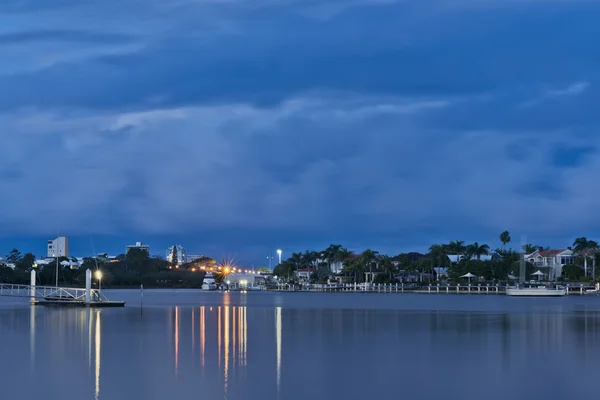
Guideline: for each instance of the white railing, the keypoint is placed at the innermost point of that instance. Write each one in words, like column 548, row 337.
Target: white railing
column 49, row 292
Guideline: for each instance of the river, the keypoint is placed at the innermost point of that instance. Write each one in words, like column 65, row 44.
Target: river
column 188, row 344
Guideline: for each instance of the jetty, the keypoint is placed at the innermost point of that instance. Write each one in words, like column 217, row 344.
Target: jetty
column 59, row 296
column 483, row 289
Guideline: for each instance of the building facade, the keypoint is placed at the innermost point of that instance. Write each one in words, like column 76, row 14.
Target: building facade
column 138, row 245
column 552, row 260
column 58, row 247
column 178, row 251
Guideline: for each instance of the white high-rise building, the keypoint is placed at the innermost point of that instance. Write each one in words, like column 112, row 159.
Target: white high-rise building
column 181, row 258
column 58, row 247
column 138, row 245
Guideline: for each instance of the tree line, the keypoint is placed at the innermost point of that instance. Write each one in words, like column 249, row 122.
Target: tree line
column 130, row 270
column 381, row 268
column 137, row 267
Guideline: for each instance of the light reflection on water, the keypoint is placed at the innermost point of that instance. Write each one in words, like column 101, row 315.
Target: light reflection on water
column 237, row 352
column 97, row 354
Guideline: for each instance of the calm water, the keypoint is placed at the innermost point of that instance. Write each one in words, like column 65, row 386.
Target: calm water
column 195, row 345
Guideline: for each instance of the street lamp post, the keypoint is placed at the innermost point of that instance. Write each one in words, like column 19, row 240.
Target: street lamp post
column 279, row 254
column 99, row 277
column 270, row 258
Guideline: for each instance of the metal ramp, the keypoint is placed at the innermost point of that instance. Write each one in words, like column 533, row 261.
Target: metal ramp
column 60, row 296
column 50, row 293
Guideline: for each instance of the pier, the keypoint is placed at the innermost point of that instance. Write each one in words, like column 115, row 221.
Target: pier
column 483, row 289
column 59, row 296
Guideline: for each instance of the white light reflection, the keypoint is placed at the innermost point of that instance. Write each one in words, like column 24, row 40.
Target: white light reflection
column 97, row 340
column 245, row 336
column 278, row 340
column 88, row 317
column 202, row 334
column 219, row 333
column 193, row 328
column 176, row 340
column 233, row 332
column 32, row 336
column 226, row 347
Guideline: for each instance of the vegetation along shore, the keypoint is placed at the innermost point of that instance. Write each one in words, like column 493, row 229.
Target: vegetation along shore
column 443, row 262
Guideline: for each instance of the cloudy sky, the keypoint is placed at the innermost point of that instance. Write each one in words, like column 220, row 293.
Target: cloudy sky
column 236, row 127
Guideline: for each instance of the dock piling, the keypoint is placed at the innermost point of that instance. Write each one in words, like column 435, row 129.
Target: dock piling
column 32, row 288
column 88, row 286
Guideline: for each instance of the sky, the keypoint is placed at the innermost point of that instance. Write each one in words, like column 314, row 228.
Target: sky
column 236, row 127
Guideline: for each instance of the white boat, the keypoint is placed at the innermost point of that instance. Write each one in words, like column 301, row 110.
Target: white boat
column 595, row 291
column 209, row 283
column 536, row 291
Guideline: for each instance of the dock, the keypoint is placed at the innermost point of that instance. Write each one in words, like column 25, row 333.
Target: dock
column 59, row 296
column 481, row 289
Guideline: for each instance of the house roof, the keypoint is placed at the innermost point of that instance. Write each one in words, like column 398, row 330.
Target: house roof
column 547, row 253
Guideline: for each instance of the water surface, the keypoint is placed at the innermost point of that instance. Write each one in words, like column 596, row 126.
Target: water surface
column 187, row 344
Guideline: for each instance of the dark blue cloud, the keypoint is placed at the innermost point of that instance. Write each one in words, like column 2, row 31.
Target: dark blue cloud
column 63, row 35
column 365, row 50
column 570, row 156
column 258, row 125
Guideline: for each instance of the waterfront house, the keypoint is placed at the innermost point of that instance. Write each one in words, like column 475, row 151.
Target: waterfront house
column 412, row 276
column 245, row 280
column 552, row 260
column 492, row 256
column 304, row 273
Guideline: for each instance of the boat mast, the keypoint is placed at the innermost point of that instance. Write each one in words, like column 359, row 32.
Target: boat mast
column 56, row 255
column 522, row 261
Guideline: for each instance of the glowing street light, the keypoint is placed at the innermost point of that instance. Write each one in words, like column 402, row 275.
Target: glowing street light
column 279, row 255
column 98, row 275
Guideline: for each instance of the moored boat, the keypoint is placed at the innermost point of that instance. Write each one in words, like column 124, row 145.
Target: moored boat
column 209, row 282
column 536, row 291
column 595, row 291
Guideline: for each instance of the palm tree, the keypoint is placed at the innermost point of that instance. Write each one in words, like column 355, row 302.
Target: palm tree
column 368, row 257
column 593, row 246
column 331, row 254
column 581, row 246
column 530, row 248
column 354, row 267
column 457, row 247
column 296, row 260
column 387, row 265
column 505, row 238
column 343, row 256
column 309, row 260
column 439, row 253
column 478, row 250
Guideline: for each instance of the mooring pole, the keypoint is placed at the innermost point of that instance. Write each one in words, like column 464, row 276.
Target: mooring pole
column 141, row 298
column 32, row 287
column 88, row 286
